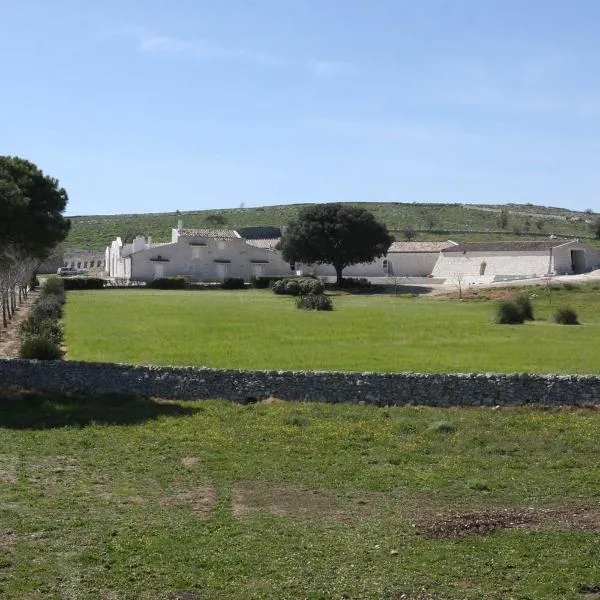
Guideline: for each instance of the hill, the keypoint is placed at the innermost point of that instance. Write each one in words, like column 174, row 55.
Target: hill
column 425, row 221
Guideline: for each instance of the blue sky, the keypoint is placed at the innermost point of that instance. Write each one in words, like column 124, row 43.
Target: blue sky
column 155, row 105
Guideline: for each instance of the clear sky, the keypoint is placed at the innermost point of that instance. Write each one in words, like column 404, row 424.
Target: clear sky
column 156, row 105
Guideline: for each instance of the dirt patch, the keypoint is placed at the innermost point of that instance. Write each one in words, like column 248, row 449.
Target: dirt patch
column 202, row 500
column 7, row 539
column 8, row 469
column 452, row 525
column 189, row 462
column 9, row 338
column 300, row 502
column 456, row 525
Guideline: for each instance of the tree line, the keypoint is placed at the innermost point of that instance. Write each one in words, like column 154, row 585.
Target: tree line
column 31, row 224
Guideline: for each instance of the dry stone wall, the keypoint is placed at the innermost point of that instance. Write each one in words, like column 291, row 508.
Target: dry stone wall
column 370, row 388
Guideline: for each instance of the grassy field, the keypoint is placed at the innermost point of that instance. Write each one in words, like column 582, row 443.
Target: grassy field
column 254, row 329
column 98, row 231
column 140, row 499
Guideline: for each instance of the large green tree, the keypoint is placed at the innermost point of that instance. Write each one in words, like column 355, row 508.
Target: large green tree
column 335, row 234
column 31, row 207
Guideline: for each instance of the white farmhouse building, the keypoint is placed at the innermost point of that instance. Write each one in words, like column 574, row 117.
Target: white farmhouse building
column 199, row 255
column 497, row 261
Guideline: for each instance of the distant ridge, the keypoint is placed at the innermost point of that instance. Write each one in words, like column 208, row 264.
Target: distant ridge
column 464, row 222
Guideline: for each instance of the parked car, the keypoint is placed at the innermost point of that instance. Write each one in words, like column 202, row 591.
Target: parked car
column 67, row 272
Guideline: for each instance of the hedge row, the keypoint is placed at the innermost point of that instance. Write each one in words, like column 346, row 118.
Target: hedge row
column 41, row 332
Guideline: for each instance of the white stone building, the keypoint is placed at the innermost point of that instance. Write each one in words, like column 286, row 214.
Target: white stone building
column 481, row 262
column 413, row 259
column 199, row 255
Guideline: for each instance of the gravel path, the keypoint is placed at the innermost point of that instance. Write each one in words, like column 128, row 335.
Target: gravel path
column 9, row 338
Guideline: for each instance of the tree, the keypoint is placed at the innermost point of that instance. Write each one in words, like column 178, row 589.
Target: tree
column 334, row 234
column 31, row 207
column 31, row 224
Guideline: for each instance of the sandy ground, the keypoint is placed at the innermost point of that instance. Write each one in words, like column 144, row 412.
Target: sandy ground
column 9, row 338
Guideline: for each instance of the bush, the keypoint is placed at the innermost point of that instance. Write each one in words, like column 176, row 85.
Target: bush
column 53, row 286
column 291, row 287
column 84, row 283
column 297, row 286
column 233, row 283
column 47, row 328
column 48, row 307
column 168, row 283
column 262, row 283
column 523, row 303
column 508, row 313
column 34, row 282
column 314, row 302
column 566, row 316
column 39, row 347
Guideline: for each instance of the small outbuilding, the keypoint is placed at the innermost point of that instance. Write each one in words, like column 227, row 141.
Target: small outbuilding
column 503, row 261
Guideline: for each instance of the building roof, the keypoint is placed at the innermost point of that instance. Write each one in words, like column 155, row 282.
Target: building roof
column 268, row 243
column 211, row 233
column 419, row 246
column 259, row 233
column 512, row 246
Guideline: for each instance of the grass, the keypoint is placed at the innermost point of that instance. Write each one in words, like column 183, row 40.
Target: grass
column 98, row 231
column 134, row 498
column 258, row 330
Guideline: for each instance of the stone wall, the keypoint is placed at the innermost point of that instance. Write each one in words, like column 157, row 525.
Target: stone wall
column 371, row 388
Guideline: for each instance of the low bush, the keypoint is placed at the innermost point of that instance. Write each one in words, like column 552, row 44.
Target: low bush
column 508, row 313
column 40, row 348
column 566, row 316
column 53, row 286
column 47, row 307
column 298, row 286
column 262, row 283
column 314, row 302
column 168, row 283
column 233, row 283
column 47, row 328
column 84, row 283
column 523, row 303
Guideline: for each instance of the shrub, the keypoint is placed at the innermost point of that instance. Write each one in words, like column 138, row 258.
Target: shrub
column 508, row 313
column 168, row 283
column 297, row 286
column 291, row 287
column 84, row 283
column 39, row 347
column 48, row 307
column 314, row 302
column 523, row 303
column 263, row 282
column 34, row 282
column 278, row 286
column 233, row 283
column 53, row 286
column 566, row 316
column 47, row 328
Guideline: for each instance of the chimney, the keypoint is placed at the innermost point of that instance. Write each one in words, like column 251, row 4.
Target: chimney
column 179, row 225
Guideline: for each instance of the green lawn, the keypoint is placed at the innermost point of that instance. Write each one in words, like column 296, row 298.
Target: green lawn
column 135, row 499
column 254, row 329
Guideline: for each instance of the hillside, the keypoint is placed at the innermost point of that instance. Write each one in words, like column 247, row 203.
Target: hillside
column 430, row 221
